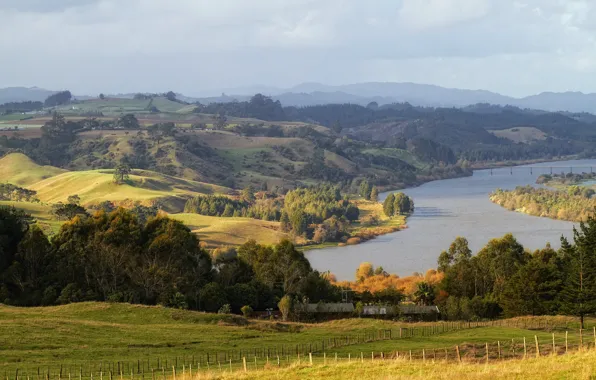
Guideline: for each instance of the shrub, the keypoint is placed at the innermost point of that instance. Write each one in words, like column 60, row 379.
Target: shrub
column 246, row 311
column 225, row 309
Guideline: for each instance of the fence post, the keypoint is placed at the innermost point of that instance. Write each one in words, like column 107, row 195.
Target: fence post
column 525, row 349
column 486, row 345
column 537, row 346
column 499, row 349
column 174, row 372
column 410, row 355
column 595, row 337
column 324, row 358
column 554, row 346
column 244, row 363
column 566, row 345
column 458, row 355
column 336, row 357
column 513, row 347
column 423, row 355
column 362, row 357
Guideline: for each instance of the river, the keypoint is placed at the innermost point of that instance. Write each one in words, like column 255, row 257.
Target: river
column 444, row 210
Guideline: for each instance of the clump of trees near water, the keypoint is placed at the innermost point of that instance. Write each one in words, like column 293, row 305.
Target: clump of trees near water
column 398, row 204
column 118, row 257
column 320, row 213
column 504, row 279
column 575, row 204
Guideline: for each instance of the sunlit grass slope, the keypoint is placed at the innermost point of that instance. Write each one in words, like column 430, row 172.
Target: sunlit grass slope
column 18, row 169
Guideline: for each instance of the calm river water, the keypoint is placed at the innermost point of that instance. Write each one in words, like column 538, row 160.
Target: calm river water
column 449, row 208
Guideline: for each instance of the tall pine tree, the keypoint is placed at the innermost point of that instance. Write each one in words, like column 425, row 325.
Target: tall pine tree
column 579, row 290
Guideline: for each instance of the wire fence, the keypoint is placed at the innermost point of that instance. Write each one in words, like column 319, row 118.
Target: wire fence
column 346, row 348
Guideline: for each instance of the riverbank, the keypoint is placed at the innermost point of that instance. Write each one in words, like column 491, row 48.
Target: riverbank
column 444, row 210
column 506, row 164
column 372, row 223
column 546, row 203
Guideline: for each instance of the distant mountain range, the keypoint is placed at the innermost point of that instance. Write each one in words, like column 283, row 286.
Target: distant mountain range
column 308, row 94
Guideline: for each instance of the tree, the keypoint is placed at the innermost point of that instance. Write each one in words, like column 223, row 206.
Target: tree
column 128, row 121
column 171, row 96
column 248, row 194
column 74, row 200
column 403, row 204
column 220, row 122
column 534, row 288
column 389, row 205
column 299, row 222
column 102, row 96
column 425, row 294
column 285, row 225
column 359, row 309
column 578, row 296
column 58, row 99
column 121, row 173
column 374, row 194
column 285, row 307
column 246, row 311
column 365, row 189
column 364, row 271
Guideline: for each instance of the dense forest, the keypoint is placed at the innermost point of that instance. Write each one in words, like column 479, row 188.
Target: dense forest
column 575, row 203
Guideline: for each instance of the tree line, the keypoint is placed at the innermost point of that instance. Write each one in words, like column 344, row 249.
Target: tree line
column 576, row 203
column 119, row 257
column 504, row 279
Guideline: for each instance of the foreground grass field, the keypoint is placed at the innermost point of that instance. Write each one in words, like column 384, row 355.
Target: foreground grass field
column 580, row 365
column 85, row 335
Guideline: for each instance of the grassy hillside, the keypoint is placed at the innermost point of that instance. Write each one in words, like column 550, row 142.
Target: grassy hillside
column 96, row 186
column 87, row 334
column 18, row 169
column 217, row 231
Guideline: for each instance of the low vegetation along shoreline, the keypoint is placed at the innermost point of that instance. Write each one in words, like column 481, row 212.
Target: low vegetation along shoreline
column 567, row 197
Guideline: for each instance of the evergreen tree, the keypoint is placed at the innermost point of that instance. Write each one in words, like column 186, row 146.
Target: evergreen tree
column 365, row 189
column 578, row 296
column 374, row 194
column 388, row 205
column 285, row 222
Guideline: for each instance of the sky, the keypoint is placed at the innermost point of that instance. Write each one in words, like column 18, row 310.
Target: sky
column 204, row 47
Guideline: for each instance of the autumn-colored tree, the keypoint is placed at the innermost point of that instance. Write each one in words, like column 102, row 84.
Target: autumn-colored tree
column 364, row 271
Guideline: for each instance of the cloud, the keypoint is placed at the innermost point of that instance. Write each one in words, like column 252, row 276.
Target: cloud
column 432, row 14
column 190, row 45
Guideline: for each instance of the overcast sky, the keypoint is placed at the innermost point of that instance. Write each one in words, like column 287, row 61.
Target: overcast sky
column 199, row 47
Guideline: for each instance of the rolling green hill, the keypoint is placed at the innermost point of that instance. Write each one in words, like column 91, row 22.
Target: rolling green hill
column 18, row 169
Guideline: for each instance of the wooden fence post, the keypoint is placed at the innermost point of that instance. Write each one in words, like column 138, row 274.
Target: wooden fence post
column 487, row 353
column 525, row 348
column 513, row 347
column 423, row 355
column 336, row 357
column 410, row 355
column 554, row 346
column 566, row 345
column 310, row 357
column 499, row 349
column 458, row 355
column 537, row 346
